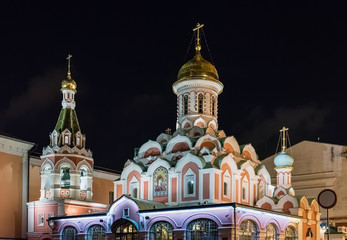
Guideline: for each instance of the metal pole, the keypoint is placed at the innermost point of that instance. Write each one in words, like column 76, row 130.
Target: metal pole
column 328, row 223
column 234, row 221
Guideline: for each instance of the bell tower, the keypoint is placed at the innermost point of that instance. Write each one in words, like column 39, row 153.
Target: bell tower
column 197, row 89
column 67, row 166
column 284, row 163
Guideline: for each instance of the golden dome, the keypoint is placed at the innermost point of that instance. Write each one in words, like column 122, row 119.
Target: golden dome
column 197, row 68
column 68, row 84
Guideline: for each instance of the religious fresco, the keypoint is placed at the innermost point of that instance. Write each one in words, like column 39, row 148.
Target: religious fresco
column 160, row 182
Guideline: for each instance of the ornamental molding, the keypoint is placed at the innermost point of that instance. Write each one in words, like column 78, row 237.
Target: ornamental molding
column 233, row 142
column 47, row 150
column 84, row 163
column 177, row 139
column 46, row 162
column 65, row 160
column 148, row 145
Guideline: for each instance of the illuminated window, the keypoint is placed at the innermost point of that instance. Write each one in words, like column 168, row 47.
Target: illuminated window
column 185, row 104
column 248, row 230
column 213, row 106
column 41, row 219
column 245, row 189
column 226, row 184
column 261, row 191
column 84, row 179
column 200, row 103
column 66, row 139
column 161, row 231
column 46, row 175
column 69, row 233
column 55, row 138
column 78, row 142
column 134, row 186
column 291, row 234
column 124, row 229
column 189, row 183
column 271, row 232
column 65, row 177
column 96, row 232
column 202, row 229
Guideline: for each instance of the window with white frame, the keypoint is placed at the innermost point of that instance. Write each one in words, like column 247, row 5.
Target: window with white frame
column 46, row 175
column 134, row 188
column 84, row 178
column 55, row 138
column 41, row 219
column 66, row 139
column 189, row 183
column 65, row 177
column 261, row 191
column 226, row 184
column 200, row 103
column 245, row 189
column 185, row 104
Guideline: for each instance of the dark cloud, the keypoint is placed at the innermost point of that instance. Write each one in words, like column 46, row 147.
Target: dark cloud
column 305, row 121
column 39, row 95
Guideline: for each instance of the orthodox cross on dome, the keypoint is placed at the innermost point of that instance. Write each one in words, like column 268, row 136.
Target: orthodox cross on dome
column 69, row 56
column 283, row 131
column 197, row 29
column 168, row 131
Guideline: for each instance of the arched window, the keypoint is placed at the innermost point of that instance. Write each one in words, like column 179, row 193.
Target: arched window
column 161, row 231
column 200, row 103
column 189, row 183
column 261, row 191
column 271, row 232
column 96, row 232
column 69, row 233
column 248, row 230
column 84, row 179
column 134, row 188
column 291, row 234
column 204, row 229
column 226, row 184
column 66, row 141
column 65, row 177
column 245, row 189
column 47, row 177
column 213, row 106
column 124, row 229
column 185, row 104
column 160, row 182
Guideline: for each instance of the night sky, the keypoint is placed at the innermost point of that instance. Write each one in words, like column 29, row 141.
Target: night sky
column 281, row 62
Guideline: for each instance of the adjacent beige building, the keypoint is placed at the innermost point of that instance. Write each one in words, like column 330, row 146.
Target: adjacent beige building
column 319, row 166
column 21, row 183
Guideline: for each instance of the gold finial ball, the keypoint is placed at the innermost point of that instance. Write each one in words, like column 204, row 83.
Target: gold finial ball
column 68, row 84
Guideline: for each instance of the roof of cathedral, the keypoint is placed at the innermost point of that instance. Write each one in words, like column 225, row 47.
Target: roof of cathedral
column 283, row 160
column 198, row 68
column 68, row 84
column 147, row 204
column 209, row 158
column 67, row 120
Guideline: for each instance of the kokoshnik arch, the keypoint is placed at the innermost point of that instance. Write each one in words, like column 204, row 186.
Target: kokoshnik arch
column 197, row 183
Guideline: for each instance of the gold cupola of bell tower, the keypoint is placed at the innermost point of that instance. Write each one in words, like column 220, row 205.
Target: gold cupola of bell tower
column 197, row 89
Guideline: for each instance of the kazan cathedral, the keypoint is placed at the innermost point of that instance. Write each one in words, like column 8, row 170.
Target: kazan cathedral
column 197, row 183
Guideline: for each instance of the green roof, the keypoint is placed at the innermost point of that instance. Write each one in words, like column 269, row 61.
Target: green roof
column 146, row 204
column 67, row 120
